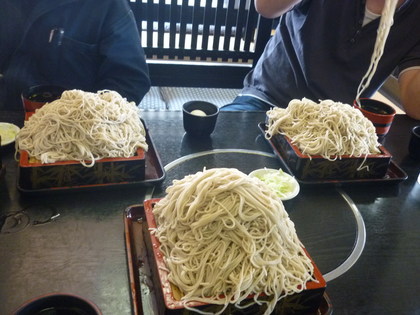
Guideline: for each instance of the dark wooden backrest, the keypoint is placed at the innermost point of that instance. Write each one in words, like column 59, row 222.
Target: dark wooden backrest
column 208, row 43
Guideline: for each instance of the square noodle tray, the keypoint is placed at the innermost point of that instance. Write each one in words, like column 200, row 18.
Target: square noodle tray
column 305, row 167
column 34, row 175
column 37, row 176
column 306, row 302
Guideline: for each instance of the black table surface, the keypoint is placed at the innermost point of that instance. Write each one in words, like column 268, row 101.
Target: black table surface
column 82, row 251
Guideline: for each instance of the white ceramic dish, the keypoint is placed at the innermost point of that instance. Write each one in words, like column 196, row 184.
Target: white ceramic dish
column 8, row 133
column 284, row 185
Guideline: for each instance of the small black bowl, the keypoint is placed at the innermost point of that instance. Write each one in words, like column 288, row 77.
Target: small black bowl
column 200, row 126
column 58, row 304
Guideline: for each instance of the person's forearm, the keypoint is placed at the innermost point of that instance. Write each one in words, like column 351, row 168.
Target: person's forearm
column 273, row 8
column 410, row 93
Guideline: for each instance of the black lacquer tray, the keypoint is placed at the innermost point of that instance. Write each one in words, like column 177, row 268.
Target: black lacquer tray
column 143, row 298
column 394, row 173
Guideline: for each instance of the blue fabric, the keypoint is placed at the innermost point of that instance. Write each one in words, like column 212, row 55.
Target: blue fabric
column 99, row 48
column 320, row 50
column 246, row 103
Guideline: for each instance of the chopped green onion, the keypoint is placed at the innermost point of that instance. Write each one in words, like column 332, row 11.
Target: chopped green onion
column 280, row 182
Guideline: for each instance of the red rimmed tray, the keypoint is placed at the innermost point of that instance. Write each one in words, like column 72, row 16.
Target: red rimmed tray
column 24, row 160
column 154, row 173
column 144, row 298
column 34, row 175
column 394, row 174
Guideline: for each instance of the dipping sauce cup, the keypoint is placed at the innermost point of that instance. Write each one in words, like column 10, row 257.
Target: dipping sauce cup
column 199, row 118
column 379, row 113
column 36, row 96
column 414, row 144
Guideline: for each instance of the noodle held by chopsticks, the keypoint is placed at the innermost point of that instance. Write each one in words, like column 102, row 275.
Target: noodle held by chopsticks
column 385, row 23
column 330, row 129
column 83, row 126
column 225, row 236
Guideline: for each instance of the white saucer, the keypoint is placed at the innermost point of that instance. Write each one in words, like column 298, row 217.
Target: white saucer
column 8, row 133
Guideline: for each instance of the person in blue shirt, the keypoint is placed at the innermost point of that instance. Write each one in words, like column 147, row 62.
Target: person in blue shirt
column 77, row 44
column 321, row 49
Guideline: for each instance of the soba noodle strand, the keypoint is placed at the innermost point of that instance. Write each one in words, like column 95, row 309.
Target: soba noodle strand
column 225, row 236
column 382, row 34
column 83, row 126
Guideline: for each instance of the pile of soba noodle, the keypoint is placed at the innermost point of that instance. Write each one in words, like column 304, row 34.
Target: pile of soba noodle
column 83, row 126
column 330, row 129
column 225, row 236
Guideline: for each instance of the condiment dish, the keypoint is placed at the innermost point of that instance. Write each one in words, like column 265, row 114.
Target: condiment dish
column 8, row 133
column 283, row 184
